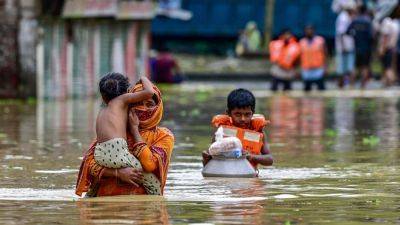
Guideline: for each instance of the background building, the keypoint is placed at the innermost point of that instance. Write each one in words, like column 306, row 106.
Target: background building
column 215, row 25
column 83, row 40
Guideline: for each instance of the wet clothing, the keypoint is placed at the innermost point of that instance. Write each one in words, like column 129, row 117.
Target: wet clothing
column 257, row 125
column 284, row 53
column 276, row 82
column 313, row 60
column 387, row 59
column 391, row 29
column 114, row 153
column 312, row 74
column 344, row 45
column 283, row 74
column 363, row 59
column 343, row 41
column 309, row 83
column 154, row 154
column 258, row 122
column 362, row 32
column 312, row 53
column 283, row 56
column 345, row 62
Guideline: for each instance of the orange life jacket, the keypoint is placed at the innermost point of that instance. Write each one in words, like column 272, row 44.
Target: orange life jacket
column 312, row 54
column 284, row 55
column 252, row 139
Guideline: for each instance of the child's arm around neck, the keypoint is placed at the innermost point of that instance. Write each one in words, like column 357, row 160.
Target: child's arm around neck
column 138, row 96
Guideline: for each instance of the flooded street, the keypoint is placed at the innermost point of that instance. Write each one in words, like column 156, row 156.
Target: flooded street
column 336, row 154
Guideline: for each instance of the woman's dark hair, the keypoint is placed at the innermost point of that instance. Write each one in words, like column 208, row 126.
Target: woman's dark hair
column 241, row 98
column 113, row 85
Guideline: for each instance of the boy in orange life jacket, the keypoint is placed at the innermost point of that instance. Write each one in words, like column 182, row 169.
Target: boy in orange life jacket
column 240, row 115
column 313, row 59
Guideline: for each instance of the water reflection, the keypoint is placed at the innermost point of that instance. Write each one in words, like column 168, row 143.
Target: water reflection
column 294, row 118
column 387, row 126
column 344, row 124
column 322, row 163
column 284, row 117
column 125, row 212
column 241, row 213
column 57, row 121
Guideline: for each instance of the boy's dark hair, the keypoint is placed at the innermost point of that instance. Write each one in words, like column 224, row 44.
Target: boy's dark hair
column 113, row 85
column 241, row 98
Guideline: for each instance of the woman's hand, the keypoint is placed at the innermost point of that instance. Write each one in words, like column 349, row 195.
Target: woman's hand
column 133, row 119
column 130, row 175
column 133, row 125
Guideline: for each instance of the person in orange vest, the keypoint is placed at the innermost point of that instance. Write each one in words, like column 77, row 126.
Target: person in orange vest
column 313, row 59
column 241, row 122
column 284, row 54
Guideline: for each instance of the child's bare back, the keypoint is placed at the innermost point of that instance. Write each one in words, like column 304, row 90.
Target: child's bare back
column 112, row 119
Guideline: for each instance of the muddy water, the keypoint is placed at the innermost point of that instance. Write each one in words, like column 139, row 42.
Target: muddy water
column 336, row 162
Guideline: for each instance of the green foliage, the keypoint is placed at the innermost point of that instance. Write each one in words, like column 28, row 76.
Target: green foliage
column 201, row 96
column 31, row 101
column 330, row 133
column 371, row 140
column 195, row 113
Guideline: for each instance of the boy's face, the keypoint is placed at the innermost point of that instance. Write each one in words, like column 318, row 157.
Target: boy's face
column 241, row 117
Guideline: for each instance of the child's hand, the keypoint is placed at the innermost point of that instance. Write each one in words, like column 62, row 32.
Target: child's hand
column 133, row 119
column 139, row 81
column 206, row 157
column 249, row 157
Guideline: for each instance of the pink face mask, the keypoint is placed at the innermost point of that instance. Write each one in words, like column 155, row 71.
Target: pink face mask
column 144, row 112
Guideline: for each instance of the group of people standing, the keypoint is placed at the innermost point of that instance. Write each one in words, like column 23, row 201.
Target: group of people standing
column 355, row 35
column 286, row 53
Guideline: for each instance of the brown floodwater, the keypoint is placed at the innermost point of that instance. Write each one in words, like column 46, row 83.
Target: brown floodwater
column 336, row 162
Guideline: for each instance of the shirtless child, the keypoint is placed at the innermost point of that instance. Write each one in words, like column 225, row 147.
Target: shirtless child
column 111, row 126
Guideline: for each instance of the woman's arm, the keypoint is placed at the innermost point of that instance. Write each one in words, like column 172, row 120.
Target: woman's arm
column 141, row 151
column 145, row 156
column 128, row 174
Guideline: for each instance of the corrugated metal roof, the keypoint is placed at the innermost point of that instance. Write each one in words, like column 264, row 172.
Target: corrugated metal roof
column 119, row 9
column 136, row 10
